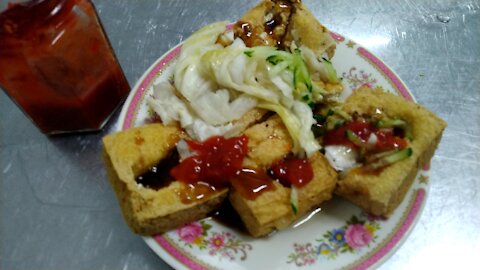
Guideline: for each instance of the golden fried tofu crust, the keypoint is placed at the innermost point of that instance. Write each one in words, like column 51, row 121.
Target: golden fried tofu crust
column 269, row 142
column 306, row 30
column 278, row 23
column 381, row 192
column 268, row 212
column 128, row 154
column 320, row 188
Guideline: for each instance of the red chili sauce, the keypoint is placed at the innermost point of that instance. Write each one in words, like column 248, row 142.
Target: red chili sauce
column 292, row 171
column 251, row 183
column 387, row 139
column 57, row 64
column 217, row 160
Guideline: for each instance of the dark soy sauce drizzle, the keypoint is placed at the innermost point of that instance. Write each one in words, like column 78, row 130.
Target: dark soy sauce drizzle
column 158, row 176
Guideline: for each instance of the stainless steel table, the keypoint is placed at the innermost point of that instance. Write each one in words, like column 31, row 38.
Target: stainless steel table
column 57, row 210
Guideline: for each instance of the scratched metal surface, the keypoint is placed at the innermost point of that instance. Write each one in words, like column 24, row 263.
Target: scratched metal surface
column 57, row 210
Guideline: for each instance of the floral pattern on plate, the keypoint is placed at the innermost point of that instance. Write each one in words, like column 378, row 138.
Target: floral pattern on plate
column 222, row 244
column 358, row 78
column 356, row 234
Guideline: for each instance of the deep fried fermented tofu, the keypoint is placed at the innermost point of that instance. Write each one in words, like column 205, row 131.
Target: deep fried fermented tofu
column 306, row 30
column 321, row 187
column 381, row 192
column 268, row 212
column 128, row 154
column 250, row 118
column 269, row 142
column 279, row 22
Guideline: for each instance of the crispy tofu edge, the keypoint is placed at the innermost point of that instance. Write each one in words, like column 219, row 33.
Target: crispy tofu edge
column 381, row 194
column 142, row 208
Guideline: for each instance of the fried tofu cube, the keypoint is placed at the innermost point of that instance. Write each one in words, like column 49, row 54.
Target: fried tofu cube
column 320, row 188
column 271, row 210
column 127, row 155
column 268, row 212
column 381, row 192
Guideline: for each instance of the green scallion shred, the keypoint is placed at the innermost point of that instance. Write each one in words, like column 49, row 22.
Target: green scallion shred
column 248, row 53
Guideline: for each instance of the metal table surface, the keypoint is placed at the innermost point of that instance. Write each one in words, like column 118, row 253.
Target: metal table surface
column 58, row 211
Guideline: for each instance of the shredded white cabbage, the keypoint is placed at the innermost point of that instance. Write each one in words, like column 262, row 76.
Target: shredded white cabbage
column 168, row 106
column 184, row 150
column 215, row 85
column 202, row 109
column 171, row 108
column 342, row 158
column 324, row 67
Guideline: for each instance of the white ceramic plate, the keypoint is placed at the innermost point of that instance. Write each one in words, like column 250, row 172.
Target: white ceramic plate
column 338, row 236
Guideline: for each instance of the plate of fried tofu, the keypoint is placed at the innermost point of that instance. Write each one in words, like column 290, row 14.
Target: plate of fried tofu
column 271, row 143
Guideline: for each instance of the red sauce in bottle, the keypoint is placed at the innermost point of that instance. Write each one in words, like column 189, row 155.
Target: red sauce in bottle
column 57, row 64
column 386, row 139
column 292, row 171
column 217, row 160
